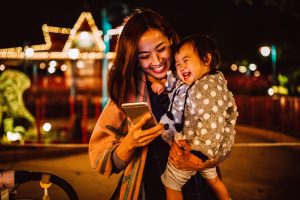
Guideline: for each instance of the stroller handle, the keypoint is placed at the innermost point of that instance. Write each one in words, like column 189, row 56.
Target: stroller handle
column 21, row 177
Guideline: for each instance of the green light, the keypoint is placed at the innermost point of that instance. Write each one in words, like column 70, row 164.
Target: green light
column 105, row 27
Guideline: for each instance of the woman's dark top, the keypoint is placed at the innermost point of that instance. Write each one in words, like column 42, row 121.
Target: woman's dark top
column 195, row 189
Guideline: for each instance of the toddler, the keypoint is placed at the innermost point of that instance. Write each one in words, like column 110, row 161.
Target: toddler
column 202, row 111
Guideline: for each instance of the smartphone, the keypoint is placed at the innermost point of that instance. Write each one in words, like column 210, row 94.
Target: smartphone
column 136, row 110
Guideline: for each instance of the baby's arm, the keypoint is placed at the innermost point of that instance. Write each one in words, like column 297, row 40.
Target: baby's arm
column 165, row 84
column 157, row 87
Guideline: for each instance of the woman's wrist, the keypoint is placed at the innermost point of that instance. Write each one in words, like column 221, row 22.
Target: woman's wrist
column 118, row 162
column 124, row 151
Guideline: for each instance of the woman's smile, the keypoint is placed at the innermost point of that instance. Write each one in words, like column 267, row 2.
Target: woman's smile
column 162, row 67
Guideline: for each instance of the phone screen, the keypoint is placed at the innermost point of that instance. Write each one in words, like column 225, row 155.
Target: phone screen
column 135, row 112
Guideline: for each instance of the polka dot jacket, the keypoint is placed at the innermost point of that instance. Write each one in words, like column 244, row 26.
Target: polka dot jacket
column 210, row 113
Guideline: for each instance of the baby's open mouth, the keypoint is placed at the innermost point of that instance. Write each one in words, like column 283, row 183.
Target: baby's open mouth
column 186, row 75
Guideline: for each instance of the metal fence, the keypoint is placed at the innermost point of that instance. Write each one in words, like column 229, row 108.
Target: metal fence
column 278, row 113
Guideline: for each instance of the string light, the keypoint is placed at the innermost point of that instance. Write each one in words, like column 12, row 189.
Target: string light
column 42, row 51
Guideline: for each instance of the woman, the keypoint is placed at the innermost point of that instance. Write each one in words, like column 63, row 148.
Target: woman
column 143, row 54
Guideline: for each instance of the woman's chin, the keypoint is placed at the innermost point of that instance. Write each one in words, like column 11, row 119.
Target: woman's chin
column 159, row 73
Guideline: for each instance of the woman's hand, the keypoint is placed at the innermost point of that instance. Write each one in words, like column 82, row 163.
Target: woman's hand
column 181, row 157
column 136, row 137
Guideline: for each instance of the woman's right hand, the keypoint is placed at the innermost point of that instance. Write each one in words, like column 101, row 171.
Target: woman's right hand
column 136, row 137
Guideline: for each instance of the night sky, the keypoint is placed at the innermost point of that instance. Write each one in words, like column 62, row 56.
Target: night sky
column 239, row 27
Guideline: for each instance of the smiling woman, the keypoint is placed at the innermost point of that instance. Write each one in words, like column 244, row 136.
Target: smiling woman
column 144, row 53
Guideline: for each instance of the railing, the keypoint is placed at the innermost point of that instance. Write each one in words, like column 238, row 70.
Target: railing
column 278, row 113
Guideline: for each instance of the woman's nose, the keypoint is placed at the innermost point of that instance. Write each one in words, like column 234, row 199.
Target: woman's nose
column 156, row 59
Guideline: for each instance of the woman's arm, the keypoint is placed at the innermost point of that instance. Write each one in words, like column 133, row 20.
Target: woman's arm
column 110, row 136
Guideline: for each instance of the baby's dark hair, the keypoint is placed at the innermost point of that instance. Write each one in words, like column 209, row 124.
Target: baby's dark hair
column 203, row 45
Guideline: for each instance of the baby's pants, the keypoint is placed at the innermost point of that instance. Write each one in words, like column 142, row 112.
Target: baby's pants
column 174, row 178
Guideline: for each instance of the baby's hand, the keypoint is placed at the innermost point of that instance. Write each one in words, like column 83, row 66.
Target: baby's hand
column 157, row 87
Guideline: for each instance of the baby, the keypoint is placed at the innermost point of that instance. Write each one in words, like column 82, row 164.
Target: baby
column 202, row 111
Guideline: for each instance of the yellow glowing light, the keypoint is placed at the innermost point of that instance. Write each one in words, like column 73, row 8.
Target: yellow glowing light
column 116, row 31
column 29, row 52
column 42, row 65
column 252, row 67
column 85, row 39
column 257, row 73
column 80, row 64
column 283, row 90
column 110, row 55
column 51, row 70
column 84, row 35
column 73, row 53
column 13, row 49
column 11, row 136
column 95, row 31
column 275, row 89
column 42, row 51
column 52, row 63
column 2, row 67
column 265, row 51
column 242, row 69
column 271, row 91
column 47, row 127
column 234, row 67
column 63, row 67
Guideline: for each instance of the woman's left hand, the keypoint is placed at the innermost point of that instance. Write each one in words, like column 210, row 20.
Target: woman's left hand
column 181, row 157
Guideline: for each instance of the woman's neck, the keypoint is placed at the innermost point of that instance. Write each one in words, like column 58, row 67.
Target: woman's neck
column 155, row 80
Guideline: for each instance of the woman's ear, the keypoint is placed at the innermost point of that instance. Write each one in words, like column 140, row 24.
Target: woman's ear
column 207, row 59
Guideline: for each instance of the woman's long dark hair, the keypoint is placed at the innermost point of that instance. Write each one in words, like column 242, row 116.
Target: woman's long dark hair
column 124, row 76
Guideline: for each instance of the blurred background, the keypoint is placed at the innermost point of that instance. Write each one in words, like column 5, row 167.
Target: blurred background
column 54, row 56
column 66, row 47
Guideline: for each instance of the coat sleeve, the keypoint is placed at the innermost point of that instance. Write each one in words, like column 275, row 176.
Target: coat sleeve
column 106, row 136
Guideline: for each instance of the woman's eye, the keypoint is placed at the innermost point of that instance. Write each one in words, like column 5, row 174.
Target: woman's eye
column 143, row 57
column 161, row 49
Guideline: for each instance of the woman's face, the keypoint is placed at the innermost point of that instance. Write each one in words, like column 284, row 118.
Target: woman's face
column 154, row 53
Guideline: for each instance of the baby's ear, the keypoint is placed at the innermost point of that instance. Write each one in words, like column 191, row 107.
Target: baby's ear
column 207, row 59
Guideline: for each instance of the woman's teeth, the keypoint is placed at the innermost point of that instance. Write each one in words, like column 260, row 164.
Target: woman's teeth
column 159, row 69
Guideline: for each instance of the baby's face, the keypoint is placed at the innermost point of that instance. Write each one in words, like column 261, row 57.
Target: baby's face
column 188, row 64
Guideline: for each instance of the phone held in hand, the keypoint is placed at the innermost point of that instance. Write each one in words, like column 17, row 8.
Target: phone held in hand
column 135, row 112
